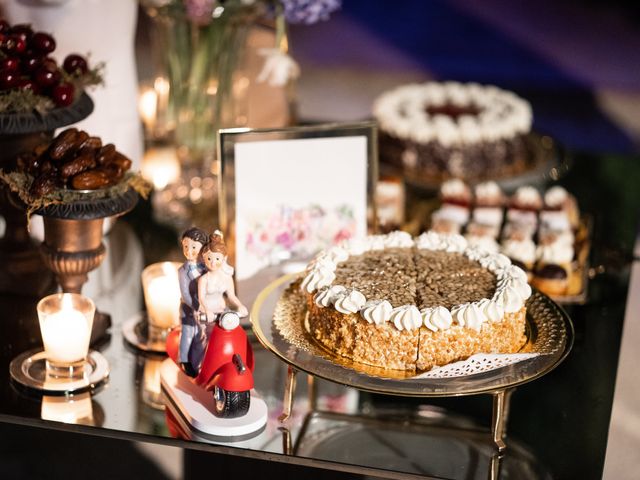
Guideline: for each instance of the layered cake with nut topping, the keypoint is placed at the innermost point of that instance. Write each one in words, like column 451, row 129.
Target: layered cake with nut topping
column 396, row 302
column 465, row 130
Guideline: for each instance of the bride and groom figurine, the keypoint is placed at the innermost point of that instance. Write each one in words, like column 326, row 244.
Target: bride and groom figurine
column 210, row 361
column 207, row 290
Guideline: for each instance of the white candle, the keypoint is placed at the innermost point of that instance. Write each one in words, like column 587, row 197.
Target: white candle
column 65, row 334
column 161, row 166
column 162, row 294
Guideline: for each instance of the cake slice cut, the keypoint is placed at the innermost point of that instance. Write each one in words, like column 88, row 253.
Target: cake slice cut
column 410, row 305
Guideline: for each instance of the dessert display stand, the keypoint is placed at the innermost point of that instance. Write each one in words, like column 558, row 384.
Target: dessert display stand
column 501, row 401
column 73, row 245
column 549, row 332
column 23, row 273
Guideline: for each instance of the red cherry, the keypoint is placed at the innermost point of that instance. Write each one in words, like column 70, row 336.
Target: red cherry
column 25, row 83
column 8, row 79
column 50, row 63
column 4, row 26
column 14, row 44
column 9, row 63
column 43, row 42
column 31, row 63
column 75, row 64
column 23, row 30
column 45, row 77
column 63, row 94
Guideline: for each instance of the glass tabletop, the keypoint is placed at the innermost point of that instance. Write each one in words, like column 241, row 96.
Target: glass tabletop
column 396, row 437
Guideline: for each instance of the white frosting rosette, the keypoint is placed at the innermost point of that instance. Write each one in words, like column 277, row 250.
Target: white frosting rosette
column 512, row 289
column 403, row 112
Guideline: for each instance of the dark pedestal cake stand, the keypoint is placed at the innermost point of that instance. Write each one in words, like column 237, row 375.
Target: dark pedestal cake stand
column 23, row 272
column 73, row 245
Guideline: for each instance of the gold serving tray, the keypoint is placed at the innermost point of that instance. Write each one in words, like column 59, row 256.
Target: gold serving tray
column 278, row 320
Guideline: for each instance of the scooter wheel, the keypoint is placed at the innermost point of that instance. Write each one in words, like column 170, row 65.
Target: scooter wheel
column 229, row 404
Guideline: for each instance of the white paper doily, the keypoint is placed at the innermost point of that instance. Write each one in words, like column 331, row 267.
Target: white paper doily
column 478, row 363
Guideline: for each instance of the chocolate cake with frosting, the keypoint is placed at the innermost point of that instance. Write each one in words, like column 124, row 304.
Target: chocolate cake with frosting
column 396, row 302
column 465, row 130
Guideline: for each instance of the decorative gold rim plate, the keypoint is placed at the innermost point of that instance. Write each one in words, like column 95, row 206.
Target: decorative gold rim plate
column 279, row 309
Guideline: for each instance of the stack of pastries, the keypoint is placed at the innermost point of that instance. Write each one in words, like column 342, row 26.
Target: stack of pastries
column 536, row 231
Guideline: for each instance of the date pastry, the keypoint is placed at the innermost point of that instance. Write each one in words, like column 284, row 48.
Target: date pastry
column 77, row 165
column 91, row 180
column 74, row 160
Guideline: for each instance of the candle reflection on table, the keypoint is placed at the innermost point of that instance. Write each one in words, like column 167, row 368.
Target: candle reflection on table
column 77, row 409
column 151, row 392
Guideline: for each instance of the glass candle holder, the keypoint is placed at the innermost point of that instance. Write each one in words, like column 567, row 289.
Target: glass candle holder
column 66, row 320
column 162, row 297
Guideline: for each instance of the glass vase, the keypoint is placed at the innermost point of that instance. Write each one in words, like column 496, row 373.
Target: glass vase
column 202, row 62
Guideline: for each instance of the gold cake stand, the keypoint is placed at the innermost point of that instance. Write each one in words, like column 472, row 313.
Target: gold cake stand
column 278, row 320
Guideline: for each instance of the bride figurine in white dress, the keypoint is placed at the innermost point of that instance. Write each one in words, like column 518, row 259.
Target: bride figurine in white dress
column 217, row 283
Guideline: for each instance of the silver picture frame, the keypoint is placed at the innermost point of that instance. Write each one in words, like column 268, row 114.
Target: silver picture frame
column 229, row 139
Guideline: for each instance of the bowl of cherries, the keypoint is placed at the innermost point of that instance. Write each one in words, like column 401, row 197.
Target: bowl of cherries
column 31, row 78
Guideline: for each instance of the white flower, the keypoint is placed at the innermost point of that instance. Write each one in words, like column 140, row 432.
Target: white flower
column 278, row 67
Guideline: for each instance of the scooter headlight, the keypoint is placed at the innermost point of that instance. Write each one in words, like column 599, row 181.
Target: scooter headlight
column 229, row 320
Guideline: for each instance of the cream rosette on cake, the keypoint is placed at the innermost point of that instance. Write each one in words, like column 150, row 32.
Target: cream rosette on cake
column 511, row 293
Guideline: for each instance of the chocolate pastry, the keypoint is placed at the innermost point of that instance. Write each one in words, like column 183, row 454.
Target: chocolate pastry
column 551, row 271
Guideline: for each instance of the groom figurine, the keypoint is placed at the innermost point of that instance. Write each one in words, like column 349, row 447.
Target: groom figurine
column 191, row 350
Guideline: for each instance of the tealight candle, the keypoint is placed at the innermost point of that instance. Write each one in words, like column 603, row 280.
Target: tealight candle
column 65, row 325
column 162, row 294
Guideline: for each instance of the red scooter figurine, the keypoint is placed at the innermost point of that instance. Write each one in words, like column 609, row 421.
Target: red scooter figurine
column 227, row 367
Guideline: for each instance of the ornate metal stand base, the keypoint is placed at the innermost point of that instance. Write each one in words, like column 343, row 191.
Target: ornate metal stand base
column 501, row 403
column 29, row 370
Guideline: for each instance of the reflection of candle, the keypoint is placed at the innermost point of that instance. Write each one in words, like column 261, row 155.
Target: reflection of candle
column 148, row 108
column 162, row 294
column 151, row 392
column 161, row 87
column 65, row 329
column 77, row 409
column 160, row 166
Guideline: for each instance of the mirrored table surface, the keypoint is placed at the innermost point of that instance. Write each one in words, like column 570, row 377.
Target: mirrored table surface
column 557, row 427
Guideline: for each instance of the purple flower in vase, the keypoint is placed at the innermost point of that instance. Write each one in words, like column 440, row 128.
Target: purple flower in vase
column 200, row 12
column 309, row 11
